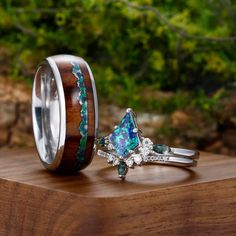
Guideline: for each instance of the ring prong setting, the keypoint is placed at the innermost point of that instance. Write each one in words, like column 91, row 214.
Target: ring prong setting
column 135, row 130
column 122, row 177
column 128, row 110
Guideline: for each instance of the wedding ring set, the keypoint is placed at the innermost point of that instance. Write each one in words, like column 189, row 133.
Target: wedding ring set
column 65, row 124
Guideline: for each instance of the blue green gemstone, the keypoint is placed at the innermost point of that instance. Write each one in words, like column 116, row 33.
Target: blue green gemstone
column 102, row 142
column 123, row 137
column 161, row 148
column 122, row 169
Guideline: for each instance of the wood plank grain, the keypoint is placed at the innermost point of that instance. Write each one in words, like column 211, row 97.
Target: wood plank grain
column 73, row 112
column 154, row 200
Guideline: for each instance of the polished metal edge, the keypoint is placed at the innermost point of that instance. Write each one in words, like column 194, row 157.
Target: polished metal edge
column 34, row 118
column 62, row 136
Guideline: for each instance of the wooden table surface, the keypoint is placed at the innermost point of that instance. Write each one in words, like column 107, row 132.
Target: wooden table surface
column 153, row 200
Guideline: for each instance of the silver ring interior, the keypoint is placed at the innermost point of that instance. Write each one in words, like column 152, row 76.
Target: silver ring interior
column 49, row 113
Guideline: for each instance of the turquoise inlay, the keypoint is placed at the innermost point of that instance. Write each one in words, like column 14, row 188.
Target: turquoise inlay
column 83, row 127
column 123, row 137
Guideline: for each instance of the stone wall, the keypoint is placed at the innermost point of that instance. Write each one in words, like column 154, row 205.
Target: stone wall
column 15, row 115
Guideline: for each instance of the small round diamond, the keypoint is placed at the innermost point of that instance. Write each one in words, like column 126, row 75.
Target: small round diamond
column 137, row 159
column 147, row 143
column 110, row 147
column 144, row 151
column 110, row 159
column 145, row 158
column 129, row 162
column 116, row 162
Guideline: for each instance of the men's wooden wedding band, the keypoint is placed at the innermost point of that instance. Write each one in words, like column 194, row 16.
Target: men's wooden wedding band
column 64, row 113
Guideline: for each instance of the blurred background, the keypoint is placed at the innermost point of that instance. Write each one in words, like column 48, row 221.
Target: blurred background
column 174, row 62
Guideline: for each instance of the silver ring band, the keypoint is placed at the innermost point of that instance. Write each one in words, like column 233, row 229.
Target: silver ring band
column 176, row 156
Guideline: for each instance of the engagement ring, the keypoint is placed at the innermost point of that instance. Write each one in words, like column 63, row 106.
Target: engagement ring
column 126, row 148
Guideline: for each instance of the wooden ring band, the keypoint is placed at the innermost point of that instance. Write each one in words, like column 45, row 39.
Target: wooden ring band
column 64, row 113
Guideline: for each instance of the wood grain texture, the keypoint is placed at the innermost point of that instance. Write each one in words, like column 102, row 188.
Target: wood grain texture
column 69, row 160
column 154, row 200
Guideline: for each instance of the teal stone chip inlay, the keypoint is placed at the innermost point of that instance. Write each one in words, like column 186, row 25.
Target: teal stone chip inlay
column 124, row 138
column 83, row 127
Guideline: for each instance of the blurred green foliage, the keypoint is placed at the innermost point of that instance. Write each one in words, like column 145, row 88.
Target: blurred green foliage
column 184, row 48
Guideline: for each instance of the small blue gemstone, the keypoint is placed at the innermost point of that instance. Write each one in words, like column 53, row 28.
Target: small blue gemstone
column 122, row 169
column 161, row 148
column 102, row 141
column 124, row 138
